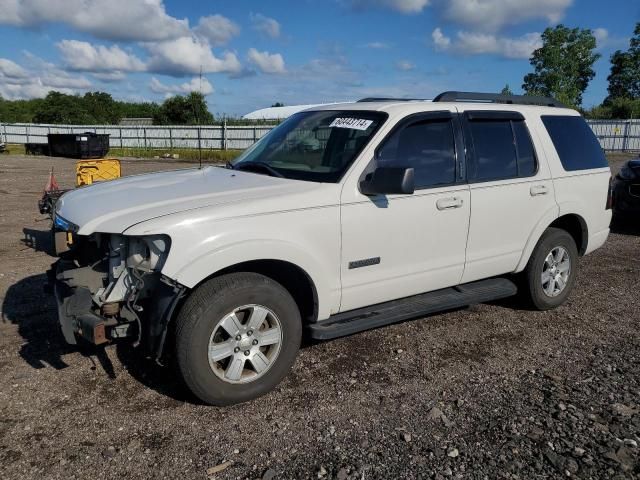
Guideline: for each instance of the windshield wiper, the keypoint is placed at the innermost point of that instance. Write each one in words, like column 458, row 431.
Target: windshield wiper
column 257, row 165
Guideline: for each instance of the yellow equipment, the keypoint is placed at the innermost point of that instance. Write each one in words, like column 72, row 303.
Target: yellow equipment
column 89, row 171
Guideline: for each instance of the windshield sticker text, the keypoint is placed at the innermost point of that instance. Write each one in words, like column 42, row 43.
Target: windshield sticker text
column 353, row 123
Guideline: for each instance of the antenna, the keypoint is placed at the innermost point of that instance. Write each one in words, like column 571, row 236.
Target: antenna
column 198, row 120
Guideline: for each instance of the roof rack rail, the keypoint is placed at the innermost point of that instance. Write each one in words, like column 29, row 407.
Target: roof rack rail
column 388, row 99
column 498, row 98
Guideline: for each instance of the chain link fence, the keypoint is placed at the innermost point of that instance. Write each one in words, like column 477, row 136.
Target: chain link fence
column 614, row 135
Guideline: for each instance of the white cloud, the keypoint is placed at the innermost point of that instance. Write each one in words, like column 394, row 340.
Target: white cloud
column 440, row 40
column 265, row 25
column 601, row 34
column 377, row 45
column 193, row 85
column 492, row 15
column 186, row 55
column 218, row 30
column 405, row 65
column 266, row 62
column 83, row 56
column 10, row 69
column 110, row 77
column 402, row 6
column 36, row 79
column 474, row 43
column 135, row 20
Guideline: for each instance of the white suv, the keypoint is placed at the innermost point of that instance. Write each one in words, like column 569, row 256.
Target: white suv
column 343, row 218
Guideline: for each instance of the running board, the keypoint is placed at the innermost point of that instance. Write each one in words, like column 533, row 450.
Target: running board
column 375, row 316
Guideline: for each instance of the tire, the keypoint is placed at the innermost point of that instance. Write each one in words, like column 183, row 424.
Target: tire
column 547, row 293
column 203, row 325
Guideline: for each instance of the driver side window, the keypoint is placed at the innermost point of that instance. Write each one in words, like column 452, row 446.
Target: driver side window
column 427, row 146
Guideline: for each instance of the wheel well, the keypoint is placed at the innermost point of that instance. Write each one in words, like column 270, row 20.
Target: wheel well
column 576, row 227
column 290, row 276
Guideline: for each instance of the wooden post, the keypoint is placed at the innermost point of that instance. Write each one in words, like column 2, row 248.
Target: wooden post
column 224, row 133
column 627, row 132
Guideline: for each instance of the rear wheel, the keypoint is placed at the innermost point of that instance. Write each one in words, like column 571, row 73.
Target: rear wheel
column 552, row 269
column 237, row 337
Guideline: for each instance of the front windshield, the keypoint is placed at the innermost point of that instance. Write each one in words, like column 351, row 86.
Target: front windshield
column 316, row 146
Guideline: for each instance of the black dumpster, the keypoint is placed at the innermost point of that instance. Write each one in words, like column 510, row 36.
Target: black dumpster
column 78, row 145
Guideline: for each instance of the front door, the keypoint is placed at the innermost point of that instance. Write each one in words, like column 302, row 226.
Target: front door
column 396, row 246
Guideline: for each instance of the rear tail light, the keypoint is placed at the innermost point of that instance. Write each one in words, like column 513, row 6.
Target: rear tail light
column 610, row 197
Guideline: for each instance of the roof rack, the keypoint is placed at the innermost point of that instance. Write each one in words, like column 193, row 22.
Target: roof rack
column 388, row 99
column 498, row 98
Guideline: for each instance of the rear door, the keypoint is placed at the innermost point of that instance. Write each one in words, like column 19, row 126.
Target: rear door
column 511, row 190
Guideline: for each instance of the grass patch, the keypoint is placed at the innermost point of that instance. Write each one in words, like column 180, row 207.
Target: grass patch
column 186, row 154
column 15, row 149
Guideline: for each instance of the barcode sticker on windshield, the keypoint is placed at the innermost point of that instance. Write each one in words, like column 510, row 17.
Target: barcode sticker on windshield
column 353, row 123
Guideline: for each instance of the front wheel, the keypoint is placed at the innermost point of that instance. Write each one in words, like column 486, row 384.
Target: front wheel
column 237, row 336
column 552, row 270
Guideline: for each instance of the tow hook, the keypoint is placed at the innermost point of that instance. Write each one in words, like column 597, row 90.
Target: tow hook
column 91, row 328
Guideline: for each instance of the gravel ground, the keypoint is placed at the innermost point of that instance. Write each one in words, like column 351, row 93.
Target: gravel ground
column 491, row 391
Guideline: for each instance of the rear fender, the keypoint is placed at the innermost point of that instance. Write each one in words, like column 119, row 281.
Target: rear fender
column 544, row 222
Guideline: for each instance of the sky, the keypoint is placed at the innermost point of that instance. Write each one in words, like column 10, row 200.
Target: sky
column 255, row 53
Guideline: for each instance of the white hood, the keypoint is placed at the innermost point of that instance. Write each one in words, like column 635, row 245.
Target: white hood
column 112, row 207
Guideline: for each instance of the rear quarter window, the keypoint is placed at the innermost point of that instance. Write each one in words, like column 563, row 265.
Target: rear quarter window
column 577, row 146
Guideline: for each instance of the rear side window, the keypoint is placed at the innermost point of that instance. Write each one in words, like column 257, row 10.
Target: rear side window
column 428, row 146
column 577, row 146
column 502, row 149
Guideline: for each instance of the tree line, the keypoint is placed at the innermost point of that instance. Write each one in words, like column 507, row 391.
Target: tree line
column 562, row 68
column 99, row 108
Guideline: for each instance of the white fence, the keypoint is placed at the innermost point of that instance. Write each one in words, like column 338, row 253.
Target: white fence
column 614, row 135
column 216, row 137
column 617, row 135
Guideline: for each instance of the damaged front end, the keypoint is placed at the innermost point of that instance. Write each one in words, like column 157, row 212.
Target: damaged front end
column 109, row 287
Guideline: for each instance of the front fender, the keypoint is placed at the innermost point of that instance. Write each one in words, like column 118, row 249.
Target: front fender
column 227, row 255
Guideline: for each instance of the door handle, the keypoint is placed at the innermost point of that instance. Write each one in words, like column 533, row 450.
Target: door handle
column 449, row 203
column 538, row 190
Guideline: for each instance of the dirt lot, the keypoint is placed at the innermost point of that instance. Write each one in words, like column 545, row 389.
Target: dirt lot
column 492, row 391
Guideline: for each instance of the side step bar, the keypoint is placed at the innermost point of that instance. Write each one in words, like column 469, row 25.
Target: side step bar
column 375, row 316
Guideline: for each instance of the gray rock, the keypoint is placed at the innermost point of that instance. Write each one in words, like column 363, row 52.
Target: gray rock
column 434, row 414
column 558, row 461
column 571, row 465
column 578, row 452
column 342, row 474
column 269, row 474
column 109, row 452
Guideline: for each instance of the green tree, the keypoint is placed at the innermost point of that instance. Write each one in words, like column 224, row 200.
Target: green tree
column 101, row 107
column 184, row 110
column 60, row 108
column 624, row 79
column 563, row 66
column 616, row 108
column 506, row 91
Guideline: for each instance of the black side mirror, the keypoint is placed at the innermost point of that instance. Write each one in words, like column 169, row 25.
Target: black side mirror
column 388, row 181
